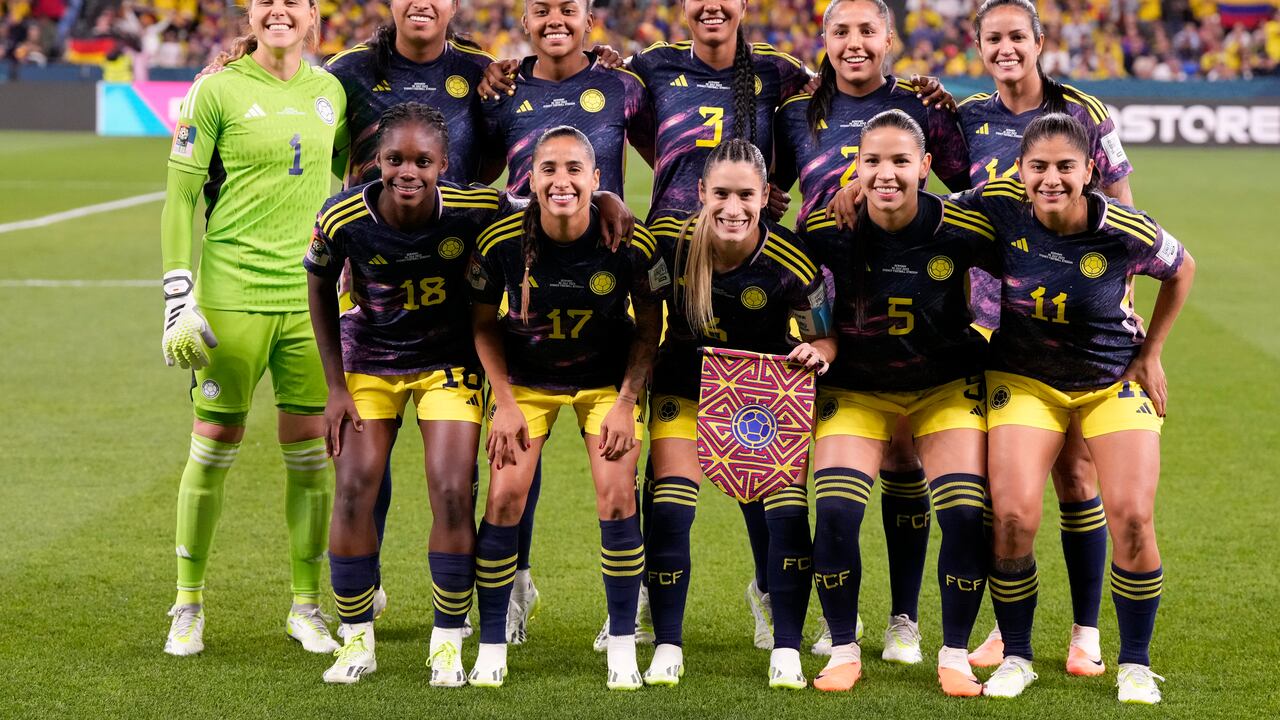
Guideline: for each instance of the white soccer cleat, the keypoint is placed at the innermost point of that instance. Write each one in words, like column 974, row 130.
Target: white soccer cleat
column 667, row 666
column 186, row 632
column 785, row 671
column 355, row 659
column 624, row 673
column 822, row 638
column 1010, row 679
column 522, row 607
column 1137, row 684
column 762, row 612
column 490, row 670
column 644, row 619
column 601, row 643
column 379, row 607
column 902, row 641
column 309, row 626
column 445, row 659
column 467, row 628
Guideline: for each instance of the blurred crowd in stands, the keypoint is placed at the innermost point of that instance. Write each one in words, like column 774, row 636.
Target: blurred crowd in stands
column 1085, row 39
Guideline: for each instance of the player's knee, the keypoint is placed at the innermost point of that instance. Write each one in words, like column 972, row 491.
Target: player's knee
column 504, row 506
column 1014, row 532
column 616, row 503
column 451, row 504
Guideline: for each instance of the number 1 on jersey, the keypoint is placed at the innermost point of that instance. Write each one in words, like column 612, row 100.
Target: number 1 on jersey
column 296, row 143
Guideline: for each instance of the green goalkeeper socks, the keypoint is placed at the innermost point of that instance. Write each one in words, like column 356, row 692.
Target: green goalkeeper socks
column 199, row 506
column 308, row 498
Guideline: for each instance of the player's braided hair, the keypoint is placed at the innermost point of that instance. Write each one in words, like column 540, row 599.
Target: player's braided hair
column 407, row 113
column 248, row 42
column 744, row 90
column 383, row 45
column 695, row 254
column 820, row 104
column 530, row 237
column 1054, row 98
column 1050, row 125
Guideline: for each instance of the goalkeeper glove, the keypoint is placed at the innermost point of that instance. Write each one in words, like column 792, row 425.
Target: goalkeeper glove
column 184, row 325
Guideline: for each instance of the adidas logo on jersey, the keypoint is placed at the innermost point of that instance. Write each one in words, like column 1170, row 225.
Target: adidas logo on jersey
column 255, row 112
column 378, row 260
column 680, row 81
column 383, row 86
column 984, row 130
column 525, row 107
column 1021, row 244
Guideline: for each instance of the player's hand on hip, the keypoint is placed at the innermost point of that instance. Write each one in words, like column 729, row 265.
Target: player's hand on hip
column 507, row 432
column 499, row 78
column 844, row 205
column 618, row 431
column 811, row 357
column 1148, row 372
column 339, row 408
column 186, row 331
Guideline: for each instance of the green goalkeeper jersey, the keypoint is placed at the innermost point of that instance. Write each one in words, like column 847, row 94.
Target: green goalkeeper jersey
column 266, row 146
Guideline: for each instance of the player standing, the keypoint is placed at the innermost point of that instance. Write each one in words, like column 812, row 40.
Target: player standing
column 1069, row 258
column 566, row 340
column 263, row 132
column 1010, row 39
column 742, row 280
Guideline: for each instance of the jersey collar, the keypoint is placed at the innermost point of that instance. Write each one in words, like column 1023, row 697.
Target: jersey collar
column 374, row 189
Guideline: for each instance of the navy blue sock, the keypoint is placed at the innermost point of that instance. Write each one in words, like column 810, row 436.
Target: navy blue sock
column 1013, row 595
column 526, row 520
column 1137, row 597
column 495, row 574
column 667, row 564
column 964, row 555
column 758, row 536
column 842, row 495
column 622, row 566
column 382, row 505
column 1084, row 545
column 452, row 577
column 354, row 580
column 790, row 562
column 904, row 510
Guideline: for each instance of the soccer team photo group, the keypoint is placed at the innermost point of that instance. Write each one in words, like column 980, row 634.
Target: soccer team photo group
column 763, row 284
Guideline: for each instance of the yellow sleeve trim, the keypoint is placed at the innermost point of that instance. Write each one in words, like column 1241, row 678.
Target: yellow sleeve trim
column 353, row 49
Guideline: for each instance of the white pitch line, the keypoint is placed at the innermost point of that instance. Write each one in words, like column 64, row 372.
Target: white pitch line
column 81, row 212
column 37, row 283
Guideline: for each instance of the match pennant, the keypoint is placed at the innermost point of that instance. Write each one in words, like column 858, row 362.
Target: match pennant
column 755, row 417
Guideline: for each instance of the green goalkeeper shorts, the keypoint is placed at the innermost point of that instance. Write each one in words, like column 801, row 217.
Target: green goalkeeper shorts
column 248, row 344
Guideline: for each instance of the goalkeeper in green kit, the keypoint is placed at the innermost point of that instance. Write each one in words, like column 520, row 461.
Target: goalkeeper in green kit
column 263, row 134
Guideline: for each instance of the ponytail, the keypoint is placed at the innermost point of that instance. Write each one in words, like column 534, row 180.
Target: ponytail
column 744, row 91
column 530, row 247
column 1055, row 100
column 383, row 45
column 820, row 104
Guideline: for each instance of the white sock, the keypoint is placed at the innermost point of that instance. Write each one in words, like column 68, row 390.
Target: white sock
column 440, row 636
column 492, row 656
column 845, row 654
column 350, row 630
column 954, row 658
column 665, row 656
column 622, row 654
column 786, row 661
column 1087, row 639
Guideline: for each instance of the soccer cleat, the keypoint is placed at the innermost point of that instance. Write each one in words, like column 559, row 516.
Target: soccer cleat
column 186, row 632
column 601, row 643
column 784, row 669
column 822, row 638
column 467, row 629
column 902, row 641
column 667, row 666
column 1137, row 684
column 954, row 674
column 1010, row 679
column 842, row 671
column 644, row 619
column 379, row 607
column 1084, row 656
column 762, row 611
column 309, row 626
column 990, row 653
column 355, row 659
column 524, row 603
column 445, row 659
column 490, row 670
column 624, row 674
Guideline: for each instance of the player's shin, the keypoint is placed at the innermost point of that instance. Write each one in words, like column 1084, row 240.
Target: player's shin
column 841, row 501
column 964, row 555
column 199, row 506
column 904, row 508
column 308, row 500
column 675, row 501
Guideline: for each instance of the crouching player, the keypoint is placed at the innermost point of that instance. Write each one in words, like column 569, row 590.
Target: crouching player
column 408, row 237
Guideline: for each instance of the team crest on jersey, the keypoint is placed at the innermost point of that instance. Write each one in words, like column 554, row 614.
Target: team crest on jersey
column 941, row 267
column 753, row 298
column 669, row 410
column 324, row 109
column 450, row 248
column 602, row 283
column 210, row 389
column 999, row 397
column 759, row 85
column 457, row 86
column 829, row 409
column 184, row 140
column 1092, row 265
column 592, row 100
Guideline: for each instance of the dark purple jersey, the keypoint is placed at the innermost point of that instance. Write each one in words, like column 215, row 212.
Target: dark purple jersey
column 1067, row 316
column 694, row 107
column 411, row 303
column 828, row 161
column 447, row 83
column 752, row 305
column 606, row 105
column 902, row 310
column 576, row 332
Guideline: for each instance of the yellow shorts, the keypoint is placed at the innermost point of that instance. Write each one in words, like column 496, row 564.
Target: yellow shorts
column 540, row 408
column 956, row 405
column 449, row 394
column 671, row 416
column 1019, row 400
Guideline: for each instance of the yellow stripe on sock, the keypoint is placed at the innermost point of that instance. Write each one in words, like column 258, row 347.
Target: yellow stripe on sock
column 481, row 562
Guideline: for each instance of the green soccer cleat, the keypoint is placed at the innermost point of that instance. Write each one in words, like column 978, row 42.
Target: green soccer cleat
column 186, row 632
column 1010, row 679
column 309, row 626
column 355, row 659
column 1137, row 684
column 902, row 641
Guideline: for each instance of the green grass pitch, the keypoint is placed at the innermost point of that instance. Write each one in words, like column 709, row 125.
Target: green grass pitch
column 96, row 438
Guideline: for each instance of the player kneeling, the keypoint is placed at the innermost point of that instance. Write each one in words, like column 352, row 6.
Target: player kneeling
column 408, row 238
